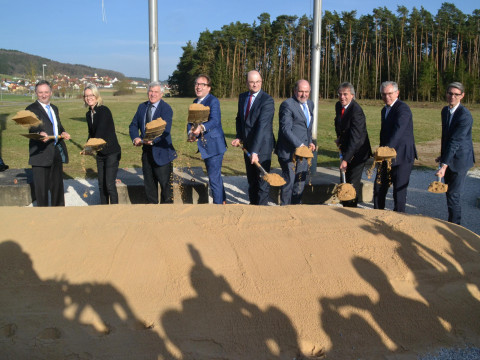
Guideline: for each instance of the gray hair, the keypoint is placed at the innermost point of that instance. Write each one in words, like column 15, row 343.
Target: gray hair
column 154, row 84
column 346, row 85
column 456, row 85
column 388, row 83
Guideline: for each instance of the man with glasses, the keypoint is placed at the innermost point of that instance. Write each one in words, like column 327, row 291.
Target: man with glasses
column 254, row 123
column 48, row 154
column 396, row 132
column 157, row 155
column 456, row 156
column 352, row 138
column 210, row 138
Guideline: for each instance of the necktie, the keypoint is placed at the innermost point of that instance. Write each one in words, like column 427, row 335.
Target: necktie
column 343, row 112
column 387, row 110
column 55, row 130
column 247, row 111
column 449, row 119
column 149, row 114
column 307, row 115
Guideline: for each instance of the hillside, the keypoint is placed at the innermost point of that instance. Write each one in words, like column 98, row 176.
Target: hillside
column 17, row 63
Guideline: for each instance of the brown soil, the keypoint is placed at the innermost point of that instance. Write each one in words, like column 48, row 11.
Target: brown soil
column 303, row 151
column 344, row 192
column 26, row 118
column 384, row 153
column 438, row 187
column 198, row 113
column 274, row 179
column 155, row 125
column 233, row 282
column 95, row 142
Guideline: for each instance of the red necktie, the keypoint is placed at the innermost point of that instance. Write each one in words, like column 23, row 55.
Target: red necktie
column 343, row 112
column 248, row 106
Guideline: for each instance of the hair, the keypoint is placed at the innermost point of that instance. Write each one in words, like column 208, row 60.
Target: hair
column 388, row 83
column 248, row 72
column 346, row 85
column 209, row 82
column 298, row 82
column 456, row 85
column 42, row 82
column 154, row 84
column 95, row 92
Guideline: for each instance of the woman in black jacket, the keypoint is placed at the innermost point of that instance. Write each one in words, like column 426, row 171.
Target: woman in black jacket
column 100, row 125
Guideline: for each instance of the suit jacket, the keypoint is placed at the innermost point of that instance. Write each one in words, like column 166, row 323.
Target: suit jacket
column 162, row 149
column 212, row 142
column 457, row 146
column 352, row 133
column 397, row 132
column 42, row 154
column 256, row 132
column 103, row 127
column 293, row 130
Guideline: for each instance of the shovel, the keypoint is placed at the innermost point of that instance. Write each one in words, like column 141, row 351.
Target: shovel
column 271, row 179
column 34, row 136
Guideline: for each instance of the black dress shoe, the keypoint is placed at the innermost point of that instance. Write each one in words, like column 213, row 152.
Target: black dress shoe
column 3, row 167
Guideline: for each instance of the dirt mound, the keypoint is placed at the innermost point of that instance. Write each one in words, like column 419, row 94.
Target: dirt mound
column 233, row 282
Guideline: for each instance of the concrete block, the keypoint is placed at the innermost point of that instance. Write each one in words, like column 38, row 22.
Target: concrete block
column 16, row 187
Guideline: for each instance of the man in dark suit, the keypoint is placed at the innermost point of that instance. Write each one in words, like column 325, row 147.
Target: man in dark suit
column 396, row 132
column 352, row 138
column 157, row 154
column 47, row 155
column 456, row 155
column 210, row 138
column 254, row 124
column 296, row 121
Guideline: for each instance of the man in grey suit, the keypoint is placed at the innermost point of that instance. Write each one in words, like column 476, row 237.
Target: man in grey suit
column 457, row 155
column 296, row 121
column 254, row 129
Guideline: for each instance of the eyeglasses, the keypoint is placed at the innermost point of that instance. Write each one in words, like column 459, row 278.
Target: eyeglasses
column 255, row 82
column 389, row 93
column 453, row 94
column 200, row 85
column 88, row 96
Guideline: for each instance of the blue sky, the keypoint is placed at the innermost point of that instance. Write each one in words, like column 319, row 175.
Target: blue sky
column 74, row 32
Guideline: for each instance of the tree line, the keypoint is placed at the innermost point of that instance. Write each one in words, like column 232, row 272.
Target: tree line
column 422, row 52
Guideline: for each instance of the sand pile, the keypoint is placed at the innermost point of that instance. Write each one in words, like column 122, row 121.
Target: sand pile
column 233, row 282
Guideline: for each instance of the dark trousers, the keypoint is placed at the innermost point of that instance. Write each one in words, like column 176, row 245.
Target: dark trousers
column 47, row 178
column 107, row 168
column 258, row 189
column 353, row 176
column 400, row 175
column 456, row 182
column 295, row 176
column 215, row 181
column 153, row 175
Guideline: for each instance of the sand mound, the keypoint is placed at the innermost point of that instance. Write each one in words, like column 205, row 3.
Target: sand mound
column 233, row 282
column 344, row 192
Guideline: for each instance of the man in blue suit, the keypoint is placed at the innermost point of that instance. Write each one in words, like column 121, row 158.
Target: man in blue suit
column 296, row 121
column 210, row 138
column 396, row 132
column 456, row 155
column 254, row 124
column 157, row 155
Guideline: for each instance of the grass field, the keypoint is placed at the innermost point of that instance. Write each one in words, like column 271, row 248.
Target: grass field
column 14, row 148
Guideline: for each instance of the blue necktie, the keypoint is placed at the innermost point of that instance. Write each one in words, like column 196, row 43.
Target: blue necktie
column 55, row 130
column 307, row 115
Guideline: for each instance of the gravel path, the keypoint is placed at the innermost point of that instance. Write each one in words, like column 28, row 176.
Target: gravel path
column 81, row 192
